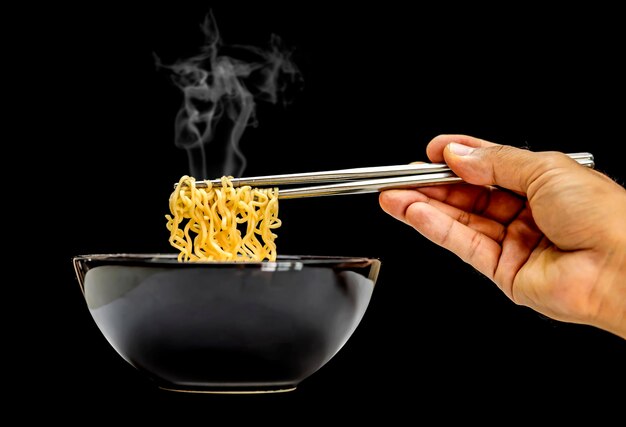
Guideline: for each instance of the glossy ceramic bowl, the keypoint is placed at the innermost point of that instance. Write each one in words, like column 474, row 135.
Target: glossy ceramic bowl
column 224, row 326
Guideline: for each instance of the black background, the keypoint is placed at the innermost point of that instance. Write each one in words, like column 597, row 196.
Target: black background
column 378, row 83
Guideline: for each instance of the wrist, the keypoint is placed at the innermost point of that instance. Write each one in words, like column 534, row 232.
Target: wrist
column 611, row 312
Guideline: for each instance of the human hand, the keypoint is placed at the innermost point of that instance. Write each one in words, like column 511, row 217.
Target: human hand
column 551, row 235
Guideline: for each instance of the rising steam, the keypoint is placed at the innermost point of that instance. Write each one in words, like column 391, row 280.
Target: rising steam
column 219, row 99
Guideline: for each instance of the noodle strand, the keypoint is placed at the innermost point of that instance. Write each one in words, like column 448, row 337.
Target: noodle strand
column 224, row 223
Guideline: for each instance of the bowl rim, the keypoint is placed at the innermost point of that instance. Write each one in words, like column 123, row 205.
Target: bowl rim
column 172, row 259
column 83, row 263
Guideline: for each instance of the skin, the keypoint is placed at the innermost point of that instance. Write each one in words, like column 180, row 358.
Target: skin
column 550, row 233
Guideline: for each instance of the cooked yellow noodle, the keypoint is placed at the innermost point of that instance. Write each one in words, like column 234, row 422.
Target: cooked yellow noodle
column 223, row 223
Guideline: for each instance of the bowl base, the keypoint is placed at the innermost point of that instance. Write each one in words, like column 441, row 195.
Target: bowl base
column 259, row 390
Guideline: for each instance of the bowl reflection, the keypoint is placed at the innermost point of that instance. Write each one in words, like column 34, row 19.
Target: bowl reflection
column 226, row 327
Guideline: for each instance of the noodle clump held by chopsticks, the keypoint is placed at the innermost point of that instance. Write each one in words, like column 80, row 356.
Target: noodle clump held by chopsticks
column 223, row 223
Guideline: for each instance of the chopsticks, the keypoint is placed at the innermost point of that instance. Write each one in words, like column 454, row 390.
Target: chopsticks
column 362, row 180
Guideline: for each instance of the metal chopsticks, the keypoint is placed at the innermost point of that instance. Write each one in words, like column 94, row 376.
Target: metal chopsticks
column 362, row 180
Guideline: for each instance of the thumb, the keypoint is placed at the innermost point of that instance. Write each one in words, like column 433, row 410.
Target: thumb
column 502, row 165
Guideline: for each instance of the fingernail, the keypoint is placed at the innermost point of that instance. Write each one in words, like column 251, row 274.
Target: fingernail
column 459, row 149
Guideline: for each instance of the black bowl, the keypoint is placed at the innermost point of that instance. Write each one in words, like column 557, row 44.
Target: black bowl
column 226, row 326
